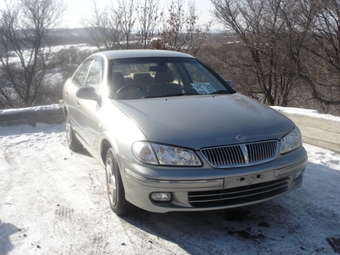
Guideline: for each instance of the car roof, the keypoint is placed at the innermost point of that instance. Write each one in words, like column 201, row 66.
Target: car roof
column 123, row 54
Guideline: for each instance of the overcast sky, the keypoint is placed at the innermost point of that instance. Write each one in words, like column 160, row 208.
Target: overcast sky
column 79, row 8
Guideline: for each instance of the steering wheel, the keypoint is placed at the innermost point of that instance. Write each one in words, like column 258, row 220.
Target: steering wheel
column 137, row 92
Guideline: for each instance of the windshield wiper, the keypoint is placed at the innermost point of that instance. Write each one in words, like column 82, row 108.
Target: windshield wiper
column 182, row 94
column 220, row 92
column 173, row 95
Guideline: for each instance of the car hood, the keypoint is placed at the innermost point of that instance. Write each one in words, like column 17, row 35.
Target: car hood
column 206, row 120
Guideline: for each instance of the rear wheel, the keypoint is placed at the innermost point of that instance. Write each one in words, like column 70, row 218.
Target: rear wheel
column 72, row 141
column 114, row 184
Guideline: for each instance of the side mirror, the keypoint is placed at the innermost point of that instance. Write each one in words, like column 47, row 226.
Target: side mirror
column 230, row 83
column 88, row 93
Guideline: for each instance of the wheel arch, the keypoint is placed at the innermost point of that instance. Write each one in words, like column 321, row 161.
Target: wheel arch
column 105, row 146
column 65, row 110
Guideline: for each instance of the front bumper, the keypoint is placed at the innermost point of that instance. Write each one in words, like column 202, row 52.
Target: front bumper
column 206, row 188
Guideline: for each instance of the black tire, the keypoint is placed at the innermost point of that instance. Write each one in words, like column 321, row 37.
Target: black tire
column 72, row 141
column 114, row 184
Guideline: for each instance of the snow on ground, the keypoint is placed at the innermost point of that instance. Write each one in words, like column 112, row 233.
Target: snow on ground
column 53, row 201
column 306, row 112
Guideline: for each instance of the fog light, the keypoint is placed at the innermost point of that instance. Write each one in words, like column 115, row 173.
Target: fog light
column 161, row 196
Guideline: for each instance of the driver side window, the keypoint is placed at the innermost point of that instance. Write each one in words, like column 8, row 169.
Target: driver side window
column 94, row 76
column 80, row 76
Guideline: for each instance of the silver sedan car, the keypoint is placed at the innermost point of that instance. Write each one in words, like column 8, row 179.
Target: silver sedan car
column 174, row 136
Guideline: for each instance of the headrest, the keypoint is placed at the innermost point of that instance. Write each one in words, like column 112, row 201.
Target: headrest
column 142, row 77
column 117, row 79
column 163, row 77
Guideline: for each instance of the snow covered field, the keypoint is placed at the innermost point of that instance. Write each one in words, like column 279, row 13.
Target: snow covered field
column 53, row 201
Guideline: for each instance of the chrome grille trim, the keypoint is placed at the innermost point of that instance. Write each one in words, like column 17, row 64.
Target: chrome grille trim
column 241, row 154
column 235, row 196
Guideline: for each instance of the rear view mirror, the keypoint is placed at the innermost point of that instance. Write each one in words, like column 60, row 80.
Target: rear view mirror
column 230, row 83
column 88, row 93
column 159, row 68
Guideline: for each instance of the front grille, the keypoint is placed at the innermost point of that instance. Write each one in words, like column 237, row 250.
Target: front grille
column 241, row 154
column 239, row 195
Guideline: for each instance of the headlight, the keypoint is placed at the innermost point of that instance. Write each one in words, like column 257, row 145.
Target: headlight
column 152, row 153
column 291, row 141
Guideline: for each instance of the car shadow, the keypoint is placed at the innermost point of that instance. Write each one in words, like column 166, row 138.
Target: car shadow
column 6, row 229
column 298, row 221
column 209, row 232
column 84, row 152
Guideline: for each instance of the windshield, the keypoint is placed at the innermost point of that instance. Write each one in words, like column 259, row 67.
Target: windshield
column 161, row 77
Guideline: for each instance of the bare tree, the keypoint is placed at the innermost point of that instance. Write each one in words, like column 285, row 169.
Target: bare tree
column 104, row 26
column 26, row 55
column 271, row 34
column 111, row 27
column 148, row 16
column 321, row 68
column 287, row 52
column 128, row 19
column 181, row 31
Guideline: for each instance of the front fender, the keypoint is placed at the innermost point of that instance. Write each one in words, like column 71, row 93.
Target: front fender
column 118, row 131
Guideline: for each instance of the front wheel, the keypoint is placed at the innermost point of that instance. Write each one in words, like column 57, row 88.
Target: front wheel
column 114, row 184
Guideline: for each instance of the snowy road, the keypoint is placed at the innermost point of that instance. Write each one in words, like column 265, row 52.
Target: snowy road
column 53, row 201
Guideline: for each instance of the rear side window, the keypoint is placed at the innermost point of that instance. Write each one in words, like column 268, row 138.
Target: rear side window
column 81, row 74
